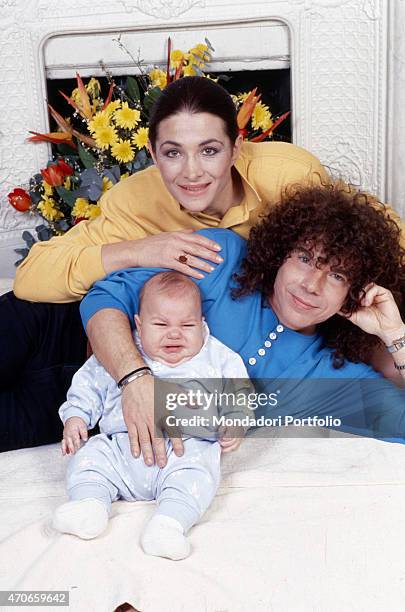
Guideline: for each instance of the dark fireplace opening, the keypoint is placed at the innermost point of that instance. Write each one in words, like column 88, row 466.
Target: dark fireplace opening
column 274, row 85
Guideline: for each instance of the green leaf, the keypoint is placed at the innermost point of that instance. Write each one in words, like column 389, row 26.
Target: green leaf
column 132, row 89
column 88, row 160
column 64, row 149
column 69, row 197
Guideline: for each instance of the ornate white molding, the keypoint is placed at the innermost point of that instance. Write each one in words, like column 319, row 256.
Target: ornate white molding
column 396, row 111
column 338, row 69
column 164, row 9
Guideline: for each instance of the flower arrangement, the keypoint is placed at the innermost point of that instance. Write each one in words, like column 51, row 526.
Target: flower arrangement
column 105, row 140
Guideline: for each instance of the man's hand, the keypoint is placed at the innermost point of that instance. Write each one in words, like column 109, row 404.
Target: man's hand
column 378, row 314
column 139, row 416
column 74, row 434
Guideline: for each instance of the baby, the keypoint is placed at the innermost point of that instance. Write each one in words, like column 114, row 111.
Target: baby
column 175, row 343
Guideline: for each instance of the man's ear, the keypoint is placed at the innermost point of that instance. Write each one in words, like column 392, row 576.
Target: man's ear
column 138, row 324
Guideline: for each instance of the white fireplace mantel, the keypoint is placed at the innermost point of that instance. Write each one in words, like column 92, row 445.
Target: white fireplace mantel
column 338, row 51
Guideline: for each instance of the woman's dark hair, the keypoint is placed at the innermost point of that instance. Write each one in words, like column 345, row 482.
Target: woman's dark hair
column 354, row 232
column 194, row 95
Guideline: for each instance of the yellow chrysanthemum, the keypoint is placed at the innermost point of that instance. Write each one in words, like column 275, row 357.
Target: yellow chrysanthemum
column 199, row 56
column 261, row 117
column 100, row 120
column 176, row 58
column 242, row 96
column 80, row 208
column 202, row 48
column 48, row 208
column 126, row 117
column 105, row 137
column 158, row 78
column 75, row 95
column 189, row 70
column 93, row 88
column 112, row 107
column 140, row 138
column 93, row 211
column 67, row 183
column 124, row 176
column 48, row 189
column 122, row 151
column 107, row 184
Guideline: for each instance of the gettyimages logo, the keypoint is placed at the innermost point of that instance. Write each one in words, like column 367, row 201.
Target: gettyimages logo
column 204, row 400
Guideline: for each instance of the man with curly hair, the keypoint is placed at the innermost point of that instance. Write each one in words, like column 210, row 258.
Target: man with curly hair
column 308, row 297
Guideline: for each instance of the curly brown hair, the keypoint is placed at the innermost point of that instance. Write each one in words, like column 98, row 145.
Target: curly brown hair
column 354, row 232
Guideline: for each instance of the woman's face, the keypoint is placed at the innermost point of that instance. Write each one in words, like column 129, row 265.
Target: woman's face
column 304, row 294
column 195, row 156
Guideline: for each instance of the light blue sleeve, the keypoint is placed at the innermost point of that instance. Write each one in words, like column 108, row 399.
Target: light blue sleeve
column 87, row 394
column 120, row 290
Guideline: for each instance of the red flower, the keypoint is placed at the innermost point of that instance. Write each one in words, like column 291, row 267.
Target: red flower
column 55, row 174
column 66, row 169
column 20, row 200
column 78, row 220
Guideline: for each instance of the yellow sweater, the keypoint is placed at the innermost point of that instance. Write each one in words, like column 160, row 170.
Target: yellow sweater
column 65, row 267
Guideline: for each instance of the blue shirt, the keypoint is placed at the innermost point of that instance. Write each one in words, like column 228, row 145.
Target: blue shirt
column 247, row 325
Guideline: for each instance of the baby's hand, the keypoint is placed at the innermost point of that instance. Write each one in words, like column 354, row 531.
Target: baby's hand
column 230, row 438
column 74, row 432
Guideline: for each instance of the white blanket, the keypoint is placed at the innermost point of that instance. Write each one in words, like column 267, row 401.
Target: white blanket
column 311, row 524
column 299, row 524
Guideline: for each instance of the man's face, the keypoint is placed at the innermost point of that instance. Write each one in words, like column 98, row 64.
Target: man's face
column 170, row 327
column 304, row 294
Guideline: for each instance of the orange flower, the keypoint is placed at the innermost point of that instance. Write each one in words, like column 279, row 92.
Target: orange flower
column 20, row 200
column 54, row 137
column 246, row 110
column 271, row 128
column 55, row 174
column 83, row 105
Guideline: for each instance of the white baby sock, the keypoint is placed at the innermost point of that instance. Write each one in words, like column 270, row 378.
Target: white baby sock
column 85, row 518
column 164, row 537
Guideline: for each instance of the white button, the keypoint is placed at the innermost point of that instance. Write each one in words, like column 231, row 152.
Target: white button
column 267, row 344
column 261, row 352
column 272, row 336
column 279, row 328
column 252, row 361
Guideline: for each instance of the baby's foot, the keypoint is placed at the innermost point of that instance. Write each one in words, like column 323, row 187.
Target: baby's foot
column 164, row 537
column 85, row 518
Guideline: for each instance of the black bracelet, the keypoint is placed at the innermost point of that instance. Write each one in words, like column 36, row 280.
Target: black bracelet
column 121, row 383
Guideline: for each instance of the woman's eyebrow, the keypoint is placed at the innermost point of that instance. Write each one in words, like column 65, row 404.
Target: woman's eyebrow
column 201, row 144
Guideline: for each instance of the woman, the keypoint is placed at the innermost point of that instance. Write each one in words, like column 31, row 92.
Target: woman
column 314, row 292
column 203, row 176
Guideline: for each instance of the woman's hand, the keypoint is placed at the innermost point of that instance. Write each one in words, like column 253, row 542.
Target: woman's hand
column 183, row 251
column 379, row 315
column 74, row 433
column 165, row 249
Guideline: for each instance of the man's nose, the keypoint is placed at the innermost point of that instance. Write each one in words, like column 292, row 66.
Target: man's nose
column 314, row 280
